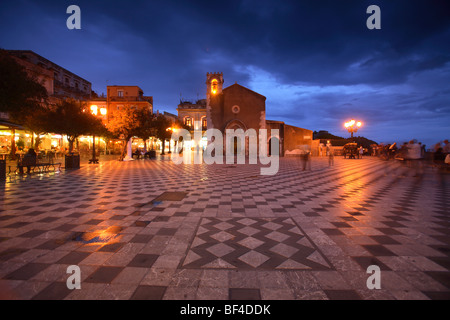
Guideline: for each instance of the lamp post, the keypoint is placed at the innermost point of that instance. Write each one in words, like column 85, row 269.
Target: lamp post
column 352, row 126
column 94, row 111
column 94, row 159
column 171, row 130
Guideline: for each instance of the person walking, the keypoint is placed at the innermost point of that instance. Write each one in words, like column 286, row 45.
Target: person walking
column 361, row 151
column 330, row 154
column 415, row 157
column 306, row 158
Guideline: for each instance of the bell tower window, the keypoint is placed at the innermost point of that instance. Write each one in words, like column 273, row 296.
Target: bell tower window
column 214, row 86
column 214, row 82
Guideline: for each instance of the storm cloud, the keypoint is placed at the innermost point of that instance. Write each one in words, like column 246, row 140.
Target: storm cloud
column 315, row 61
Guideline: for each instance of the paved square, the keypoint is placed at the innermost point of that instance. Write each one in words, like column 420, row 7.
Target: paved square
column 151, row 229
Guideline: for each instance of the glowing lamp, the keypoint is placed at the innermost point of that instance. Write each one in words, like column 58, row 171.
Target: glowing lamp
column 352, row 126
column 94, row 109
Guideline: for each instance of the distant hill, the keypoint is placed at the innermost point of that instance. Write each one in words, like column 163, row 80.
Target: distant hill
column 366, row 143
column 324, row 136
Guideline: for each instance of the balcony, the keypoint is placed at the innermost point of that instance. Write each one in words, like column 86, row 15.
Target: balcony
column 127, row 98
column 67, row 87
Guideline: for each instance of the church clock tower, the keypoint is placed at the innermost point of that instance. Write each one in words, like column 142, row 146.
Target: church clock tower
column 214, row 85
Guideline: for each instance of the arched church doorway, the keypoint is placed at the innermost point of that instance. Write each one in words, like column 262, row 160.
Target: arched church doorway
column 236, row 144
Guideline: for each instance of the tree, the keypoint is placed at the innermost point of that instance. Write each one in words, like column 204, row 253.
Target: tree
column 19, row 92
column 73, row 119
column 39, row 123
column 146, row 126
column 161, row 123
column 126, row 123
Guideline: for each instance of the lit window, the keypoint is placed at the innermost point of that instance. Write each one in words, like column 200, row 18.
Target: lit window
column 214, row 86
column 188, row 121
column 204, row 122
column 94, row 109
column 120, row 93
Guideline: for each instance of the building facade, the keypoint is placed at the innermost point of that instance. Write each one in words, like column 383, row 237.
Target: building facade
column 118, row 97
column 59, row 82
column 190, row 113
column 237, row 107
column 133, row 96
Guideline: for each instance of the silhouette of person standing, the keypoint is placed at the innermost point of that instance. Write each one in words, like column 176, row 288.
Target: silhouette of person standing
column 330, row 154
column 306, row 158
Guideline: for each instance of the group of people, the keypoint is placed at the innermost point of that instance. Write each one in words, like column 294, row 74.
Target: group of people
column 4, row 149
column 138, row 153
column 306, row 156
column 442, row 151
column 411, row 150
column 413, row 153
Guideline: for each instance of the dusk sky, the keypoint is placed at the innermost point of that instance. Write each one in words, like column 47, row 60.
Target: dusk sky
column 315, row 61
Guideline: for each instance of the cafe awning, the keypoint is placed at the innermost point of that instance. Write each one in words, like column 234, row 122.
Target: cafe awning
column 7, row 125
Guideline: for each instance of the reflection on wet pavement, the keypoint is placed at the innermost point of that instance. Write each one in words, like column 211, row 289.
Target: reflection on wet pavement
column 100, row 237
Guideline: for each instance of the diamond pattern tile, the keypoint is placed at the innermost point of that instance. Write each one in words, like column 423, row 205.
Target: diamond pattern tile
column 253, row 247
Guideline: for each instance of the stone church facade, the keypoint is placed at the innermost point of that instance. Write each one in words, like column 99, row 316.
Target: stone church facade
column 237, row 107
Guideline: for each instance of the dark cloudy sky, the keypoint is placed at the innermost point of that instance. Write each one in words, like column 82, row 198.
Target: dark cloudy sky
column 315, row 61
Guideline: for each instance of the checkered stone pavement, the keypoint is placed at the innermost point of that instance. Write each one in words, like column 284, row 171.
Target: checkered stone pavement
column 151, row 229
column 244, row 243
column 252, row 243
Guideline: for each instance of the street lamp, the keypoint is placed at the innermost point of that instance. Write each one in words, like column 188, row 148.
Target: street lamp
column 171, row 129
column 352, row 126
column 95, row 112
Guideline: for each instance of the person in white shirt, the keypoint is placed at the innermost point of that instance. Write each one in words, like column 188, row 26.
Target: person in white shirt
column 361, row 151
column 330, row 155
column 414, row 156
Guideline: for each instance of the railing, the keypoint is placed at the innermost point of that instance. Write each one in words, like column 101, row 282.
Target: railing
column 128, row 98
column 67, row 86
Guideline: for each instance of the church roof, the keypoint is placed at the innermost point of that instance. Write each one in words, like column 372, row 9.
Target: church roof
column 236, row 85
